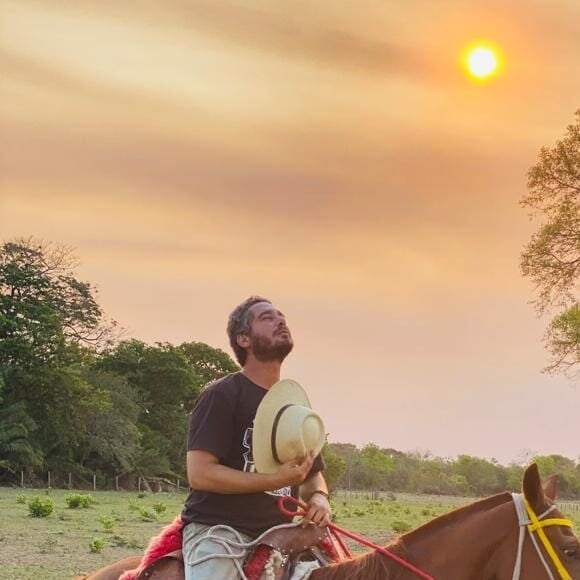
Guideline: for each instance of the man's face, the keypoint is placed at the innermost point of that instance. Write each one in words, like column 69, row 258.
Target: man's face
column 270, row 338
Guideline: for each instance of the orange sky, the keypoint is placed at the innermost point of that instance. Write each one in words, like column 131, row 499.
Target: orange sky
column 330, row 155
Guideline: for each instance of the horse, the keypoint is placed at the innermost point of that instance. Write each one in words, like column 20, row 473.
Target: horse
column 485, row 540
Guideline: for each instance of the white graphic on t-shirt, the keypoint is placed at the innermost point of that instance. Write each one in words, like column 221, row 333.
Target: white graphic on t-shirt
column 249, row 466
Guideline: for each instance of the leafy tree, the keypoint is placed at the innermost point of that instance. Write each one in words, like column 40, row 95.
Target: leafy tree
column 165, row 381
column 481, row 475
column 112, row 437
column 208, row 364
column 16, row 451
column 552, row 257
column 335, row 466
column 47, row 316
column 376, row 466
column 43, row 306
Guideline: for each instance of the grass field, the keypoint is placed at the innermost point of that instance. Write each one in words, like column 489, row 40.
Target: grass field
column 119, row 524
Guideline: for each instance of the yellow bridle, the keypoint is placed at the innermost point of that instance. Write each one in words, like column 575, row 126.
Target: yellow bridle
column 538, row 526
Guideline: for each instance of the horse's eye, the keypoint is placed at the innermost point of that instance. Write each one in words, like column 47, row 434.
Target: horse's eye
column 572, row 552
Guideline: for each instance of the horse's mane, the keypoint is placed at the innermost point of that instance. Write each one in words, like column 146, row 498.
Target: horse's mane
column 454, row 516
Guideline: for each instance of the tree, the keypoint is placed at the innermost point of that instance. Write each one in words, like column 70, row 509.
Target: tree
column 208, row 363
column 43, row 306
column 16, row 451
column 376, row 466
column 47, row 317
column 335, row 466
column 552, row 257
column 166, row 381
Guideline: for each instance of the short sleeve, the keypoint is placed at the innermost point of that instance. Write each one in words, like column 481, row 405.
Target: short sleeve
column 211, row 424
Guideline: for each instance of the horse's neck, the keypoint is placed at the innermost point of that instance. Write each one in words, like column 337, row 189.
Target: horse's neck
column 462, row 544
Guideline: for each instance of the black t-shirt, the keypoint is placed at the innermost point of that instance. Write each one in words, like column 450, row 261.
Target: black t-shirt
column 221, row 423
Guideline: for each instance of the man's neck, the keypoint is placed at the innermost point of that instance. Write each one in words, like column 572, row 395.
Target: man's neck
column 264, row 374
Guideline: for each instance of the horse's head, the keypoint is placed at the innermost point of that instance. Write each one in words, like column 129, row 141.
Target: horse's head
column 560, row 548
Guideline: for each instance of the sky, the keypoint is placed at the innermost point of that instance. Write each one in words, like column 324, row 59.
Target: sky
column 333, row 156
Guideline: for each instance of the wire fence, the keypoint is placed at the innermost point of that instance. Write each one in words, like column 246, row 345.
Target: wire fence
column 121, row 482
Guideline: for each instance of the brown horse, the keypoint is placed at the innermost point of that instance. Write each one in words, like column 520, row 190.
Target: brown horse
column 476, row 542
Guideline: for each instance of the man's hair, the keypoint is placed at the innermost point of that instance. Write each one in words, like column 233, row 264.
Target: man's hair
column 239, row 323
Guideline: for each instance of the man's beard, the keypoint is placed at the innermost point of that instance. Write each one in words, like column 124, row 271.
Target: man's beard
column 266, row 350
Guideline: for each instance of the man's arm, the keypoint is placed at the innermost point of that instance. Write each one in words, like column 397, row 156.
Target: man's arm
column 205, row 473
column 319, row 510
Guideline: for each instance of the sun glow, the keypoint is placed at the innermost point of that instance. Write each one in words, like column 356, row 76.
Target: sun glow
column 482, row 61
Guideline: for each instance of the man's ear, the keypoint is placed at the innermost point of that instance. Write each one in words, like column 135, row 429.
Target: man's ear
column 243, row 340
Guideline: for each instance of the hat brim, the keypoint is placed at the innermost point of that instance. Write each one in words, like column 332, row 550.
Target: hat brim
column 284, row 392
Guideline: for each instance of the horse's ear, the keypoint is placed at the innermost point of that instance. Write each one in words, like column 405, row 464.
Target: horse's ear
column 532, row 488
column 551, row 488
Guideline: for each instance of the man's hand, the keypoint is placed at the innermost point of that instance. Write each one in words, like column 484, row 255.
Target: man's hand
column 295, row 472
column 319, row 511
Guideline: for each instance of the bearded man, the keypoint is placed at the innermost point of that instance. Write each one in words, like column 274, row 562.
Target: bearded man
column 226, row 490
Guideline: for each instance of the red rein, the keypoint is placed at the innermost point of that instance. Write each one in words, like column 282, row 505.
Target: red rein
column 355, row 537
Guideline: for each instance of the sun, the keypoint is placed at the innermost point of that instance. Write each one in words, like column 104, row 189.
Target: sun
column 482, row 61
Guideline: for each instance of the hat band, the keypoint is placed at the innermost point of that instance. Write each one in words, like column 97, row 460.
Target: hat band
column 274, row 431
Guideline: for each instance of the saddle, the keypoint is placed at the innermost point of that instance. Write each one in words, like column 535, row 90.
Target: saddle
column 292, row 543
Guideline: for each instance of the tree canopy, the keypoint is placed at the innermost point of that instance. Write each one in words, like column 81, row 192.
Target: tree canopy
column 72, row 396
column 551, row 259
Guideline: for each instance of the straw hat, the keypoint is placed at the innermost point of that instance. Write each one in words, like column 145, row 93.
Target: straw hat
column 285, row 427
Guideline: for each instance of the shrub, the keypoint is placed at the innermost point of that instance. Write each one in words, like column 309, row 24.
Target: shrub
column 20, row 498
column 97, row 544
column 76, row 500
column 400, row 526
column 141, row 495
column 40, row 508
column 107, row 523
column 159, row 507
column 146, row 515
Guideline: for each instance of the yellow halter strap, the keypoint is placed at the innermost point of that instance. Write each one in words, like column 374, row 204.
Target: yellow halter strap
column 537, row 526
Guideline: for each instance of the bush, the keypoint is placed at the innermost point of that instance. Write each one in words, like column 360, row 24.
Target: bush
column 40, row 508
column 20, row 498
column 146, row 515
column 76, row 500
column 107, row 523
column 401, row 526
column 159, row 507
column 97, row 544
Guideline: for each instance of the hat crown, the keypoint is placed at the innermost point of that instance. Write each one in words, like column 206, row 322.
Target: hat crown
column 297, row 431
column 285, row 427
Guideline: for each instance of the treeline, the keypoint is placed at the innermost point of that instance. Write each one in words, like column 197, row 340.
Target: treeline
column 76, row 399
column 388, row 469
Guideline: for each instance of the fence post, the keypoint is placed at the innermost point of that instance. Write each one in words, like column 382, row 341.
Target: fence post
column 69, row 480
column 139, row 484
column 49, row 480
column 178, row 483
column 95, row 481
column 22, row 478
column 117, row 482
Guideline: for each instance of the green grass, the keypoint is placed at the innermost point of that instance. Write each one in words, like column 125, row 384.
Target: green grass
column 59, row 546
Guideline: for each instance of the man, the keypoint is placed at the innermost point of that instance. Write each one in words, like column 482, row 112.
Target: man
column 225, row 488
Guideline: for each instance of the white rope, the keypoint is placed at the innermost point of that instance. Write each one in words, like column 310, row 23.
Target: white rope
column 524, row 521
column 229, row 545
